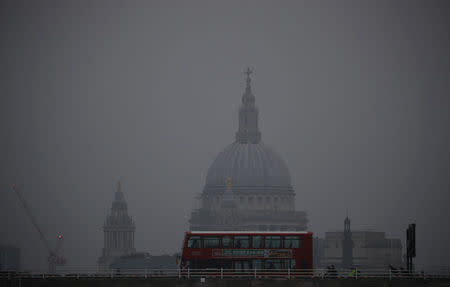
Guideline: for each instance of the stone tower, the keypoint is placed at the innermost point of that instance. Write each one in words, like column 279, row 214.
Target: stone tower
column 347, row 245
column 118, row 231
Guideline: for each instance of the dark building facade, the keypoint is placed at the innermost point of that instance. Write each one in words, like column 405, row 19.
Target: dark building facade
column 9, row 258
column 318, row 251
column 371, row 250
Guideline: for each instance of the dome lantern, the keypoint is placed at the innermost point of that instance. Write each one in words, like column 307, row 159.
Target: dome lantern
column 248, row 131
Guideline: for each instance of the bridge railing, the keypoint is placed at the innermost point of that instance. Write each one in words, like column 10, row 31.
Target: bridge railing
column 220, row 273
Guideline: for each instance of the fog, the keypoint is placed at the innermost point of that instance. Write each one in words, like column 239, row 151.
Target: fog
column 353, row 94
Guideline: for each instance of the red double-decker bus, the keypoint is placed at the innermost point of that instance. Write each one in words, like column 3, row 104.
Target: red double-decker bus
column 248, row 250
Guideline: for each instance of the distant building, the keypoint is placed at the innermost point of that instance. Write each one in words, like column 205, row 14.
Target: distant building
column 248, row 185
column 347, row 245
column 318, row 250
column 118, row 232
column 9, row 258
column 371, row 250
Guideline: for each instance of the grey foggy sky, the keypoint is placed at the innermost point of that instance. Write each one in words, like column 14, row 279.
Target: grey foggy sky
column 353, row 94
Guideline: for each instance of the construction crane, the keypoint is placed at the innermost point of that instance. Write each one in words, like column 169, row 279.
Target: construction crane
column 54, row 257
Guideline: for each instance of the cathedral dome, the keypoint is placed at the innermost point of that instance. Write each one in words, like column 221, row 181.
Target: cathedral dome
column 249, row 165
column 248, row 185
column 249, row 162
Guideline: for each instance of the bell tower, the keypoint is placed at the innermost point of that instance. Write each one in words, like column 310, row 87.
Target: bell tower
column 118, row 231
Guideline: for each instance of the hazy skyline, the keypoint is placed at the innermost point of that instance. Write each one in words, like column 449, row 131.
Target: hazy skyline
column 353, row 94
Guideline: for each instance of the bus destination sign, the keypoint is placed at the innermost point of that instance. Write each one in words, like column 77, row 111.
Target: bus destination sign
column 250, row 253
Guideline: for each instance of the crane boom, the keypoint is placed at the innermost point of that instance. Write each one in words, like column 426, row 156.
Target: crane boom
column 32, row 218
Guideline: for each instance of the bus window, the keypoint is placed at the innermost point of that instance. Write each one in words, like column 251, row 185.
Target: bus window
column 227, row 242
column 258, row 241
column 292, row 242
column 212, row 263
column 246, row 265
column 236, row 265
column 194, row 264
column 291, row 264
column 211, row 242
column 187, row 264
column 227, row 264
column 241, row 242
column 257, row 264
column 273, row 264
column 194, row 242
column 273, row 242
column 241, row 265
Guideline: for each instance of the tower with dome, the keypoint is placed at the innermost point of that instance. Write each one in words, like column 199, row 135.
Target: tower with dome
column 118, row 231
column 248, row 185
